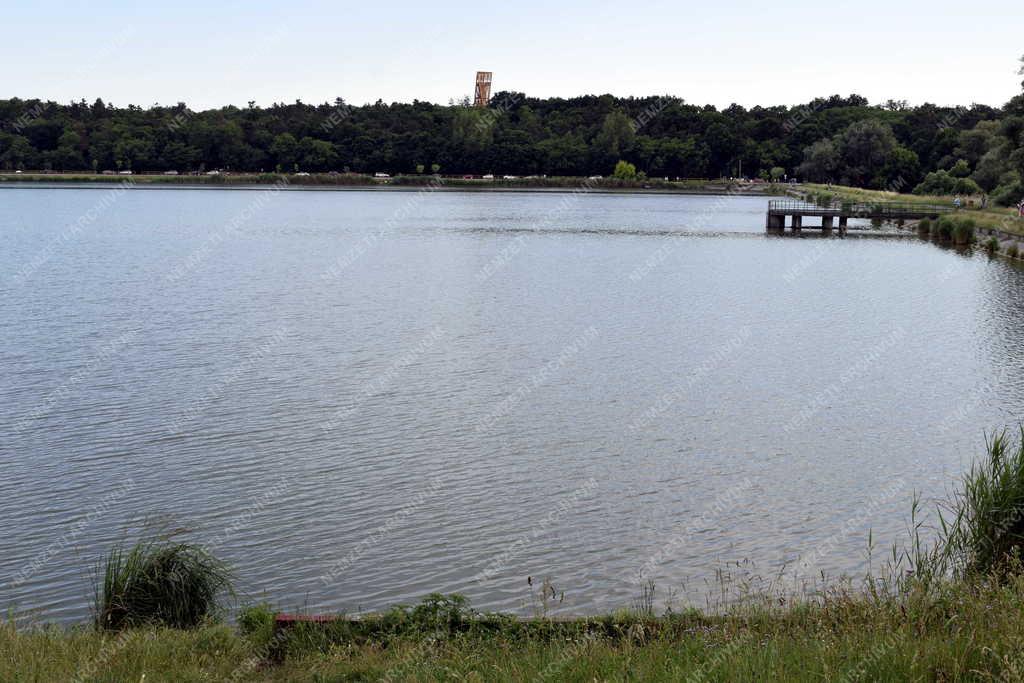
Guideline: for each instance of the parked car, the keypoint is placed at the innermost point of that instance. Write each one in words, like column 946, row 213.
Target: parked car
column 301, row 173
column 509, row 177
column 170, row 173
column 124, row 173
column 489, row 176
column 213, row 173
column 381, row 175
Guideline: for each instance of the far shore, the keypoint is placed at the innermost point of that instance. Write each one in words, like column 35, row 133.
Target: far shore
column 326, row 182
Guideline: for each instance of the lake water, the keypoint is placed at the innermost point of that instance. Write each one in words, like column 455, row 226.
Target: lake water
column 361, row 397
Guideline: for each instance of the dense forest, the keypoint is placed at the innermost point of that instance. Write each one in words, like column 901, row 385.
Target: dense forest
column 838, row 139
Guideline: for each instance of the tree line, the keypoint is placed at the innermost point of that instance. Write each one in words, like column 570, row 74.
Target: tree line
column 832, row 139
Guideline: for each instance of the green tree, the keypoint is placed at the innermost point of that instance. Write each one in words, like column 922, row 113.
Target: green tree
column 317, row 155
column 285, row 149
column 68, row 155
column 901, row 169
column 961, row 169
column 617, row 135
column 865, row 147
column 973, row 144
column 821, row 161
column 20, row 153
column 179, row 156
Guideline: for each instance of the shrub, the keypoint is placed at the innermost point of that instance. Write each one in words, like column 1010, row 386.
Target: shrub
column 992, row 245
column 159, row 582
column 436, row 611
column 961, row 169
column 924, row 226
column 256, row 623
column 626, row 171
column 966, row 186
column 937, row 182
column 1012, row 251
column 947, row 183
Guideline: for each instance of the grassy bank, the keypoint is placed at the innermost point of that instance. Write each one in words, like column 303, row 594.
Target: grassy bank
column 969, row 634
column 990, row 218
column 352, row 180
column 951, row 609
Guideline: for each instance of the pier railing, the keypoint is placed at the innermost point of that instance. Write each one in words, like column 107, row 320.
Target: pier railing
column 856, row 209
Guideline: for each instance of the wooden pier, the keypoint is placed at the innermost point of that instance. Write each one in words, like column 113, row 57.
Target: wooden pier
column 838, row 215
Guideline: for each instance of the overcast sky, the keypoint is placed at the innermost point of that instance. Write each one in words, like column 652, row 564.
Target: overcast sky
column 215, row 53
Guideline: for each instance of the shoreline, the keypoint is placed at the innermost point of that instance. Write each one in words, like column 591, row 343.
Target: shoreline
column 838, row 636
column 400, row 184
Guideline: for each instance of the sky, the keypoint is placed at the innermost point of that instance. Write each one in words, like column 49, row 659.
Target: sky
column 210, row 54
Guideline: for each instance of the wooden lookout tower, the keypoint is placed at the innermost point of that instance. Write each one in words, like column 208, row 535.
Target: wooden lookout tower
column 482, row 93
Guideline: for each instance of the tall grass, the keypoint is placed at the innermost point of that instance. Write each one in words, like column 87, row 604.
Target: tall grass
column 943, row 229
column 963, row 231
column 980, row 533
column 986, row 529
column 160, row 583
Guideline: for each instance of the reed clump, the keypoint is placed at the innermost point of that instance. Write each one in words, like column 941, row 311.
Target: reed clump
column 943, row 229
column 986, row 529
column 980, row 533
column 963, row 231
column 160, row 582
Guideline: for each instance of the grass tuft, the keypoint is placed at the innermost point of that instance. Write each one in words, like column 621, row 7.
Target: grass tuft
column 160, row 583
column 963, row 231
column 986, row 530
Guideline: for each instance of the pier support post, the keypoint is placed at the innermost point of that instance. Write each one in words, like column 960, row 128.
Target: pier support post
column 842, row 225
column 775, row 223
column 797, row 224
column 826, row 225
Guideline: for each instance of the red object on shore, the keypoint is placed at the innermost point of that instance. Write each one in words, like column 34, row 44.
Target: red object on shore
column 292, row 619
